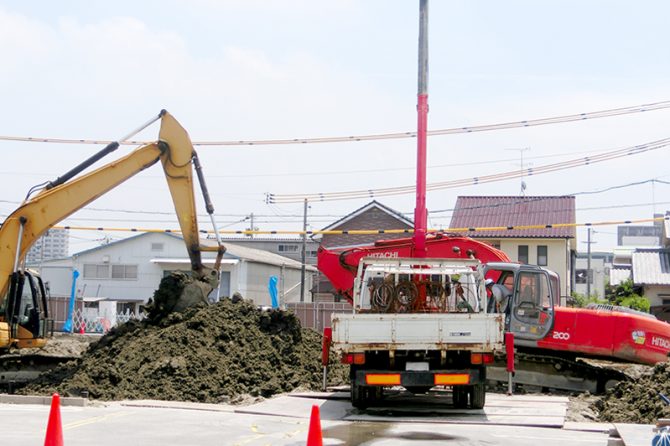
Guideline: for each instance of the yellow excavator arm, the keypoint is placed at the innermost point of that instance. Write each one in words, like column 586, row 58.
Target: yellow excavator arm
column 67, row 194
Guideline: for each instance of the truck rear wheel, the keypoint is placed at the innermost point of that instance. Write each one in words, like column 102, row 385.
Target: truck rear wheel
column 478, row 396
column 359, row 395
column 460, row 397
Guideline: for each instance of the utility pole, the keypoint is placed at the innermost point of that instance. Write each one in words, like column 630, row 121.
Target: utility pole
column 589, row 274
column 304, row 253
column 251, row 218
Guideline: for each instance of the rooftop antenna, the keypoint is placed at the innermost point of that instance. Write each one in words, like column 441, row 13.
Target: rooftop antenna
column 521, row 164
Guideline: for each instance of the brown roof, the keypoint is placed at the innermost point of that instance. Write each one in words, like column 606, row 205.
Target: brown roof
column 511, row 211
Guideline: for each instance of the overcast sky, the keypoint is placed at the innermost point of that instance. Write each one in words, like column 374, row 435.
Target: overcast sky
column 248, row 69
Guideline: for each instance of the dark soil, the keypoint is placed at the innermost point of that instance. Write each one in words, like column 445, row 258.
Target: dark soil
column 209, row 354
column 637, row 401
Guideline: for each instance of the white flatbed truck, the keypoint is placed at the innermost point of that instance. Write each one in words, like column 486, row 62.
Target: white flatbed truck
column 418, row 323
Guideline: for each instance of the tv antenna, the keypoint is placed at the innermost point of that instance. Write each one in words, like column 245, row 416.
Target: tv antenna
column 521, row 165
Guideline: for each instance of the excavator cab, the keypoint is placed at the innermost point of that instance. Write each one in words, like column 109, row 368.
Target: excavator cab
column 531, row 294
column 26, row 310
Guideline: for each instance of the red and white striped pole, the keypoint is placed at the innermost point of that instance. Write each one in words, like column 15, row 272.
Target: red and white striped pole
column 420, row 212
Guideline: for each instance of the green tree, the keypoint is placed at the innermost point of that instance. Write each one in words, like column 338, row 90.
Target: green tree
column 582, row 300
column 626, row 294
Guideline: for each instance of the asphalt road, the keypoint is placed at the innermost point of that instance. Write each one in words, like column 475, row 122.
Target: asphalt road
column 118, row 424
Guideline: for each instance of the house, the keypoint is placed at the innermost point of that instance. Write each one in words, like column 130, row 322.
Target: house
column 651, row 271
column 283, row 246
column 129, row 271
column 548, row 244
column 599, row 275
column 647, row 266
column 639, row 235
column 373, row 215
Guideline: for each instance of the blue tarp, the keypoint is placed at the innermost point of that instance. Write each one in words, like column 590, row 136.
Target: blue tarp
column 67, row 326
column 272, row 288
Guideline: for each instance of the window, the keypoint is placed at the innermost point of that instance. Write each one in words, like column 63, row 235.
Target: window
column 102, row 271
column 311, row 253
column 125, row 307
column 92, row 271
column 287, row 248
column 533, row 291
column 542, row 258
column 584, row 276
column 523, row 254
column 157, row 246
column 124, row 271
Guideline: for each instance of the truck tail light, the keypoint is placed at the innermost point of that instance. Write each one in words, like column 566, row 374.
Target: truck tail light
column 451, row 379
column 353, row 358
column 481, row 358
column 382, row 379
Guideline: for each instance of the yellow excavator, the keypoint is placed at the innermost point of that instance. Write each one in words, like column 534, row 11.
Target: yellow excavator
column 24, row 312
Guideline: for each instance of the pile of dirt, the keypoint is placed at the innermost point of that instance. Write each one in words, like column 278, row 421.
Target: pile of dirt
column 212, row 354
column 637, row 401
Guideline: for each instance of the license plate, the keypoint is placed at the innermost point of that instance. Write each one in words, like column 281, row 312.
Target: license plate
column 417, row 366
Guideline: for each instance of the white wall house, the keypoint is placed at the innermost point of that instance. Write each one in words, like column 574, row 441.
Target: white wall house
column 598, row 276
column 538, row 230
column 130, row 270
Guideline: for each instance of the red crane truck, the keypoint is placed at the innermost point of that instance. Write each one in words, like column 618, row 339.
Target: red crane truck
column 549, row 337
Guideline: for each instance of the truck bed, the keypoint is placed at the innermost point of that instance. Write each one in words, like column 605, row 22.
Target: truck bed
column 359, row 332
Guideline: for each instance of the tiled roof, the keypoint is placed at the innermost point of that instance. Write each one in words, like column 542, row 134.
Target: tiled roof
column 374, row 203
column 511, row 211
column 651, row 267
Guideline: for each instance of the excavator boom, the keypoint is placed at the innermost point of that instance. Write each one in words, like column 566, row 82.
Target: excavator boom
column 69, row 193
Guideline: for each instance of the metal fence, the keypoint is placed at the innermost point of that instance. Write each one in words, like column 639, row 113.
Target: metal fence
column 86, row 321
column 90, row 320
column 317, row 315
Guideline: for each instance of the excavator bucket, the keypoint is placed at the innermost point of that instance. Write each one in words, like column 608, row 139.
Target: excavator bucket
column 180, row 291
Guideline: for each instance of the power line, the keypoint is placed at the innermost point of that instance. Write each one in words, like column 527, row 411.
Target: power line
column 375, row 231
column 402, row 190
column 383, row 136
column 286, row 218
column 516, row 200
column 349, row 172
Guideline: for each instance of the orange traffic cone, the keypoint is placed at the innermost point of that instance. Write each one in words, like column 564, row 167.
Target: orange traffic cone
column 82, row 330
column 54, row 427
column 314, row 436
